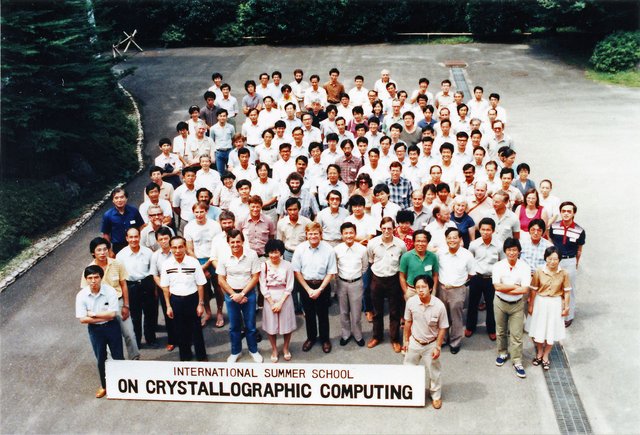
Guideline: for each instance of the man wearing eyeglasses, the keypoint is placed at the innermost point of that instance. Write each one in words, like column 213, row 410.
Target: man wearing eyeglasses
column 499, row 140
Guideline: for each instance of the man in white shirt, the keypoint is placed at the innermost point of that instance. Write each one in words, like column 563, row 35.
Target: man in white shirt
column 352, row 263
column 478, row 106
column 229, row 103
column 246, row 170
column 511, row 278
column 269, row 115
column 298, row 86
column 381, row 84
column 184, row 197
column 264, row 89
column 358, row 94
column 456, row 266
column 314, row 92
column 311, row 133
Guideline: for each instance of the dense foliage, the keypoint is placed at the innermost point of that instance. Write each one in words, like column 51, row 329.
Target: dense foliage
column 237, row 22
column 65, row 125
column 619, row 51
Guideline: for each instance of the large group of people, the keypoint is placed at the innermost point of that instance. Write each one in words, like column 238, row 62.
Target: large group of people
column 322, row 195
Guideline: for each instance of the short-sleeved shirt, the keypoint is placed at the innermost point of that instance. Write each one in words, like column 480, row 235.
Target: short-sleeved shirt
column 138, row 264
column 157, row 259
column 485, row 255
column 292, row 235
column 331, row 223
column 385, row 257
column 314, row 263
column 182, row 278
column 518, row 275
column 454, row 269
column 105, row 300
column 365, row 226
column 116, row 224
column 533, row 253
column 238, row 271
column 201, row 236
column 148, row 237
column 412, row 266
column 184, row 198
column 506, row 226
column 427, row 319
column 400, row 193
column 324, row 187
column 349, row 168
column 421, row 219
column 551, row 284
column 257, row 232
column 352, row 260
column 567, row 239
column 113, row 274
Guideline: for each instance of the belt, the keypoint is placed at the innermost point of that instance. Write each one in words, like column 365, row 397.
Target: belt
column 239, row 290
column 137, row 281
column 317, row 282
column 224, row 150
column 424, row 343
column 270, row 207
column 251, row 145
column 447, row 286
column 564, row 257
column 288, row 250
column 509, row 302
column 350, row 280
column 484, row 276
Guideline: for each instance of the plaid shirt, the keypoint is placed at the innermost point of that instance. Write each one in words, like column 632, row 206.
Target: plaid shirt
column 349, row 168
column 400, row 193
column 533, row 255
column 308, row 202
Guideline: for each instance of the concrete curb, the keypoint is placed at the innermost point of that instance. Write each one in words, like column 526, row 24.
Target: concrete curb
column 40, row 249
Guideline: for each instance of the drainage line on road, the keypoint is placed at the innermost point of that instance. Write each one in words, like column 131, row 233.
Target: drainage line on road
column 570, row 414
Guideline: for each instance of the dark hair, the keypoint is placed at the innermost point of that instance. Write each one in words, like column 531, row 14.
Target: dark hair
column 426, row 278
column 487, row 221
column 249, row 83
column 510, row 242
column 97, row 241
column 551, row 250
column 182, row 126
column 381, row 188
column 314, row 145
column 233, row 233
column 446, row 146
column 189, row 169
column 332, row 136
column 346, row 142
column 335, row 193
column 274, row 245
column 451, row 230
column 227, row 174
column 159, row 169
column 209, row 94
column 204, row 189
column 356, row 200
column 292, row 201
column 94, row 269
column 119, row 190
column 226, row 215
column 243, row 151
column 347, row 225
column 442, row 186
column 284, row 145
column 366, row 177
column 242, row 183
column 522, row 166
column 413, row 148
column 150, row 187
column 416, row 233
column 565, row 203
column 163, row 231
column 405, row 216
column 538, row 222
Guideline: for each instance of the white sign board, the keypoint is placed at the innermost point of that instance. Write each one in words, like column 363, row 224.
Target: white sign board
column 323, row 384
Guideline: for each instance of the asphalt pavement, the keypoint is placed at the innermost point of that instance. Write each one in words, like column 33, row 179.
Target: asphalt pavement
column 578, row 133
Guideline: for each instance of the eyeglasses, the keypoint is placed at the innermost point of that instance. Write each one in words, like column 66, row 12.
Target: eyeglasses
column 155, row 215
column 386, row 229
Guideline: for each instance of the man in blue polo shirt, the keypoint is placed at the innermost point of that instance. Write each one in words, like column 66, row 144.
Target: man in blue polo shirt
column 118, row 219
column 569, row 238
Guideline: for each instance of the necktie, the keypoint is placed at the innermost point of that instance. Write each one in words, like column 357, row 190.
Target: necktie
column 362, row 157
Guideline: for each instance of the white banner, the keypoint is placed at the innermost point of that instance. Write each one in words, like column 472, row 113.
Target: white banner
column 323, row 384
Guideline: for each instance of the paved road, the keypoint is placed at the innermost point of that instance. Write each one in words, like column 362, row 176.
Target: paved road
column 566, row 127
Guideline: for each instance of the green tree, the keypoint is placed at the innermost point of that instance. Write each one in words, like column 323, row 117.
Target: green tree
column 59, row 96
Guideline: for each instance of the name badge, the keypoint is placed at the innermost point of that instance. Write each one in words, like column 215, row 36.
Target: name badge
column 353, row 169
column 427, row 268
column 133, row 222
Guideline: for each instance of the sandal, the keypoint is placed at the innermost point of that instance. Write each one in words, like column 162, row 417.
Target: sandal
column 287, row 356
column 274, row 358
column 536, row 361
column 546, row 365
column 220, row 321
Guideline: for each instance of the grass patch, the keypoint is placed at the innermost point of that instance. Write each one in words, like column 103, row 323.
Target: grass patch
column 428, row 40
column 624, row 78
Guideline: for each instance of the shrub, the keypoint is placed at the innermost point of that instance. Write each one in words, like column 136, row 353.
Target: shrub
column 619, row 51
column 173, row 36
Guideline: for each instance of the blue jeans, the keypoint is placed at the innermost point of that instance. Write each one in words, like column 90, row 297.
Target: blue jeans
column 367, row 305
column 101, row 336
column 237, row 314
column 222, row 158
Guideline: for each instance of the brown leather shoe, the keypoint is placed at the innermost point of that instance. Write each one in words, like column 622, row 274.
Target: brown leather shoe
column 101, row 393
column 492, row 337
column 397, row 347
column 307, row 345
column 326, row 347
column 437, row 404
column 170, row 347
column 468, row 333
column 373, row 343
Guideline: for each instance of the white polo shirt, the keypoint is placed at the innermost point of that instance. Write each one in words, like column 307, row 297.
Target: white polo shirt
column 138, row 264
column 519, row 275
column 238, row 271
column 454, row 269
column 351, row 260
column 182, row 278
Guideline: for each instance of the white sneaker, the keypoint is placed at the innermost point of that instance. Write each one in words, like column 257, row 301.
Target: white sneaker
column 233, row 358
column 257, row 357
